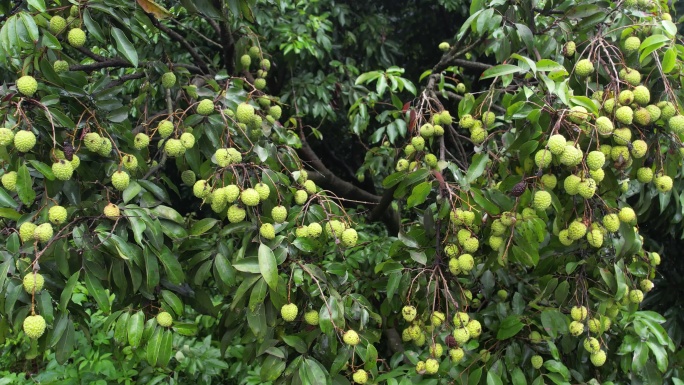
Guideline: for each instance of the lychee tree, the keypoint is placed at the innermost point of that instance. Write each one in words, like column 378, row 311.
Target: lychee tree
column 149, row 176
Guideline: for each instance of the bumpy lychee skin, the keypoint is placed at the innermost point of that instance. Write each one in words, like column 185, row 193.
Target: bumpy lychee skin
column 289, row 312
column 645, row 175
column 611, row 222
column 62, row 169
column 537, row 361
column 205, row 107
column 120, row 180
column 33, row 282
column 444, row 46
column 279, row 214
column 595, row 160
column 592, row 345
column 474, row 328
column 636, row 296
column 27, row 85
column 141, row 141
column 300, row 197
column 437, row 318
column 584, row 68
column 57, row 25
column 569, row 49
column 267, row 231
column 349, row 238
column 578, row 313
column 543, row 158
column 164, row 319
column 105, row 147
column 26, row 231
column 360, row 377
column 111, row 211
column 642, row 95
column 6, row 136
column 431, row 366
column 311, row 317
column 24, row 141
column 168, row 80
column 76, row 38
column 541, row 200
column 314, row 230
column 244, row 113
column 598, row 358
column 556, row 144
column 9, row 180
column 250, row 197
column 57, row 215
column 188, row 177
column 587, row 188
column 456, row 355
column 624, row 115
column 34, row 326
column 351, row 338
column 604, row 126
column 276, row 112
column 576, row 328
column 663, row 183
column 631, row 44
column 461, row 335
column 646, row 285
column 236, row 214
column 43, row 232
column 627, row 215
column 165, row 128
column 631, row 76
column 676, row 123
column 409, row 313
column 577, row 230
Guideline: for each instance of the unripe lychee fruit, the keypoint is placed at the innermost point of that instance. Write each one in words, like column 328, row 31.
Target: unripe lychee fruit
column 584, row 68
column 624, row 115
column 168, row 80
column 267, row 231
column 444, row 46
column 311, row 317
column 263, row 190
column 111, row 211
column 646, row 285
column 349, row 238
column 537, row 361
column 351, row 338
column 105, row 147
column 26, row 231
column 130, row 162
column 456, row 355
column 627, row 215
column 409, row 313
column 611, row 222
column 165, row 128
column 587, row 188
column 24, row 141
column 300, row 197
column 141, row 141
column 663, row 183
column 604, row 126
column 360, row 377
column 93, row 141
column 571, row 184
column 592, row 345
column 543, row 158
column 76, row 38
column 201, row 189
column 34, row 326
column 244, row 113
column 120, row 180
column 245, row 60
column 636, row 296
column 236, row 214
column 577, row 230
column 631, row 44
column 437, row 318
column 9, row 180
column 595, row 238
column 314, row 230
column 541, row 200
column 27, row 85
column 276, row 112
column 205, row 107
column 260, row 83
column 461, row 335
column 279, row 214
column 57, row 215
column 598, row 358
column 595, row 160
column 62, row 169
column 645, row 175
column 164, row 319
column 33, row 282
column 6, row 136
column 289, row 312
column 576, row 328
column 43, row 232
column 57, row 24
column 639, row 149
column 569, row 49
column 431, row 366
column 250, row 197
column 631, row 76
column 578, row 313
column 474, row 328
column 642, row 95
column 626, row 97
column 60, row 66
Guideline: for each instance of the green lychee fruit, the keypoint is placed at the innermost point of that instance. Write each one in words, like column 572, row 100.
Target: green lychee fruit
column 57, row 25
column 24, row 141
column 57, row 215
column 34, row 326
column 360, row 377
column 461, row 335
column 76, row 37
column 631, row 44
column 556, row 144
column 120, row 180
column 456, row 355
column 595, row 160
column 26, row 231
column 431, row 366
column 43, row 232
column 663, row 183
column 541, row 200
column 244, row 113
column 587, row 188
column 263, row 190
column 168, row 80
column 267, row 231
column 543, row 158
column 6, row 136
column 537, row 361
column 676, row 124
column 584, row 68
column 598, row 358
column 626, row 97
column 300, row 197
column 569, row 49
column 105, row 147
column 409, row 313
column 165, row 128
column 310, row 187
column 164, row 319
column 611, row 222
column 577, row 230
column 111, row 211
column 314, row 230
column 639, row 149
column 140, row 141
column 349, row 238
column 62, row 169
column 236, row 214
column 579, row 313
column 627, row 215
column 93, row 141
column 644, row 175
column 576, row 328
column 60, row 66
column 245, row 61
column 250, row 197
column 9, row 180
column 275, row 111
column 592, row 345
column 474, row 328
column 444, row 46
column 642, row 95
column 624, row 115
column 488, row 118
column 351, row 338
column 205, row 107
column 437, row 318
column 279, row 214
column 260, row 83
column 631, row 76
column 467, row 121
column 201, row 189
column 311, row 317
column 604, row 126
column 33, row 282
column 646, row 285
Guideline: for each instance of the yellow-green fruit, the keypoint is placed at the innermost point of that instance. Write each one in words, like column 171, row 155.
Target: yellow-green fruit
column 584, row 68
column 235, row 156
column 537, row 361
column 57, row 25
column 467, row 121
column 456, row 355
column 569, row 49
column 639, row 149
column 205, row 107
column 646, row 285
column 592, row 345
column 663, row 183
column 314, row 230
column 279, row 214
column 111, row 211
column 254, row 52
column 571, row 184
column 43, row 232
column 349, row 238
column 120, row 180
column 9, row 180
column 351, row 338
column 461, row 335
column 105, row 147
column 289, row 312
column 244, row 113
column 267, row 231
column 642, row 95
column 310, row 187
column 502, row 294
column 622, row 136
column 275, row 111
column 436, row 350
column 631, row 76
column 604, row 126
column 627, row 215
column 609, row 105
column 611, row 222
column 535, row 337
column 595, row 160
column 250, row 197
column 495, row 242
column 549, row 181
column 676, row 123
column 33, row 282
column 57, row 215
column 626, row 97
column 263, row 190
column 34, row 326
column 577, row 230
column 594, row 325
column 409, row 313
column 427, row 130
column 27, row 85
column 471, row 245
column 571, row 156
column 165, row 128
column 543, row 158
column 587, row 188
column 578, row 313
column 451, row 250
column 168, row 80
column 454, row 267
column 541, row 200
column 624, row 115
column 636, row 296
column 93, row 141
column 420, row 367
column 431, row 366
column 595, row 238
column 26, row 231
column 437, row 318
column 75, row 161
column 130, row 162
column 667, row 110
column 201, row 189
column 632, row 44
column 642, row 117
column 598, row 358
column 260, row 83
column 6, row 136
column 360, row 377
column 302, row 232
column 334, row 228
column 644, row 174
column 556, row 144
column 431, row 160
column 76, row 38
column 444, row 46
column 164, row 319
column 24, row 141
column 618, row 152
column 488, row 118
column 62, row 169
column 265, row 64
column 222, row 157
column 311, row 317
column 474, row 328
column 576, row 328
column 60, row 66
column 140, row 141
column 301, row 197
column 478, row 135
column 236, row 214
column 74, row 22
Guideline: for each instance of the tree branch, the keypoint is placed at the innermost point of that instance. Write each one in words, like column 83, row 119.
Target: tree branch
column 177, row 37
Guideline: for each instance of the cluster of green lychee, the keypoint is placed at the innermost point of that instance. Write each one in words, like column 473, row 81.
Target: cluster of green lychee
column 255, row 56
column 419, row 148
column 478, row 127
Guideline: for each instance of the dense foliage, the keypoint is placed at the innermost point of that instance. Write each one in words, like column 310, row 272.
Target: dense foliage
column 260, row 192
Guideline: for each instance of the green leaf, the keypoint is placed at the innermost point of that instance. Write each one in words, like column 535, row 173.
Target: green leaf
column 297, row 343
column 493, row 378
column 65, row 296
column 96, row 290
column 419, row 194
column 65, row 346
column 43, row 169
column 124, row 46
column 509, row 327
column 554, row 322
column 136, row 327
column 268, row 266
column 25, row 186
column 173, row 269
column 154, row 346
column 202, row 226
column 500, row 70
column 477, row 166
